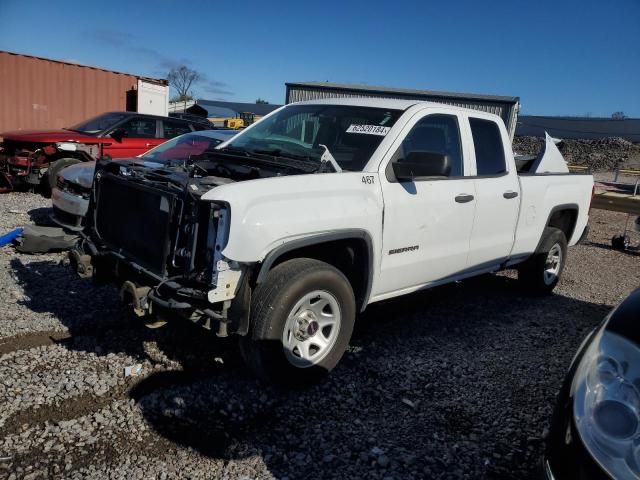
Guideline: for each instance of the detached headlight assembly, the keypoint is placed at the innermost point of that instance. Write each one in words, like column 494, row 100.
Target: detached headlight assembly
column 607, row 403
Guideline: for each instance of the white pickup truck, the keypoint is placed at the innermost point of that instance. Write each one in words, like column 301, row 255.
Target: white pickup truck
column 287, row 231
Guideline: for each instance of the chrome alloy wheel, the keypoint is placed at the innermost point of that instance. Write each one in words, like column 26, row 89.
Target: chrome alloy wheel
column 552, row 264
column 311, row 329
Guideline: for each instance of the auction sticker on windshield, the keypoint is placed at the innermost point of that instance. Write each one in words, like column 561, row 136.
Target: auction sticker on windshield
column 369, row 129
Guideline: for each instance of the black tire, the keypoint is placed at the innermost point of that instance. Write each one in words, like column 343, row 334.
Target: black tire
column 56, row 167
column 620, row 242
column 533, row 274
column 272, row 303
column 44, row 188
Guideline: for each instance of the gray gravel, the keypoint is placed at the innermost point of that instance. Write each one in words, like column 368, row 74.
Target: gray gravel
column 455, row 382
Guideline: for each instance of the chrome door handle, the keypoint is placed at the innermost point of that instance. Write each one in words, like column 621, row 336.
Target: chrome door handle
column 510, row 194
column 464, row 198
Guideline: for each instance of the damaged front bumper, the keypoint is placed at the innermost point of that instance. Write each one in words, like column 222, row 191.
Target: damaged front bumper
column 222, row 306
column 25, row 168
column 28, row 164
column 163, row 246
column 69, row 208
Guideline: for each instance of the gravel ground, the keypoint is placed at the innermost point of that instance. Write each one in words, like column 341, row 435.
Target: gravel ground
column 455, row 382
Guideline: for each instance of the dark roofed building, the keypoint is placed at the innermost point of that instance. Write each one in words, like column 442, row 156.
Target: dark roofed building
column 259, row 109
column 579, row 127
column 219, row 109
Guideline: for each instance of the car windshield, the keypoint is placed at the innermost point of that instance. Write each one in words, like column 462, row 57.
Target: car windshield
column 182, row 147
column 97, row 124
column 350, row 133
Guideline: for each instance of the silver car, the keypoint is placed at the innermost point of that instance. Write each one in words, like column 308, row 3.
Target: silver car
column 70, row 196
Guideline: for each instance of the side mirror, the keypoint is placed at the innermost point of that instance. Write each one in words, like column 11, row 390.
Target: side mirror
column 419, row 164
column 118, row 134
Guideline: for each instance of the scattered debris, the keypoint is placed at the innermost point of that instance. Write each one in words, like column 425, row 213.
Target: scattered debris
column 409, row 403
column 376, row 451
column 132, row 370
column 38, row 239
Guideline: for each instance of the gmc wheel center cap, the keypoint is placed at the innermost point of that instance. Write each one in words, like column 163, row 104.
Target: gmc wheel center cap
column 307, row 326
column 312, row 328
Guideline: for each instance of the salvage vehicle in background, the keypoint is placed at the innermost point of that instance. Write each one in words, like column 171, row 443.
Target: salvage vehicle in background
column 595, row 429
column 35, row 157
column 70, row 196
column 321, row 208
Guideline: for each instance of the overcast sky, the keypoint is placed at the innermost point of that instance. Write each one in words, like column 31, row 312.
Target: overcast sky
column 561, row 58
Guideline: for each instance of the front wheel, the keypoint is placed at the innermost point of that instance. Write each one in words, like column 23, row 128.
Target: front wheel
column 301, row 322
column 541, row 273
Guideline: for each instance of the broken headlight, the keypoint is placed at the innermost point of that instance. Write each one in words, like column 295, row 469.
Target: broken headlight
column 607, row 403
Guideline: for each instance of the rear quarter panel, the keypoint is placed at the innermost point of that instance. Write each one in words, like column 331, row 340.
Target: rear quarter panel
column 540, row 195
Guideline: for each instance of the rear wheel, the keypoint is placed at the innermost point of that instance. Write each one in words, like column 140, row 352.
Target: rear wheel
column 301, row 321
column 541, row 273
column 56, row 167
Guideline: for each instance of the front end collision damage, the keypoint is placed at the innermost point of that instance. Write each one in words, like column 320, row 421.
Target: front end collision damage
column 221, row 305
column 210, row 281
column 191, row 279
column 22, row 163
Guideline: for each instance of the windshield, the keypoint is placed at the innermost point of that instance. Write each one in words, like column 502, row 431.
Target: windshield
column 98, row 124
column 350, row 133
column 182, row 147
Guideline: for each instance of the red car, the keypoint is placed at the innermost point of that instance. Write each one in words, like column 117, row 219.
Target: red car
column 35, row 157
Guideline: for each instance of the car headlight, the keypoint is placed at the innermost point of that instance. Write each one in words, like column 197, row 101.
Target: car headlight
column 607, row 403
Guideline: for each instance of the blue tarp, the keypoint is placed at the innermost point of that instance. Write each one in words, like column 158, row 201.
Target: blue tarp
column 9, row 237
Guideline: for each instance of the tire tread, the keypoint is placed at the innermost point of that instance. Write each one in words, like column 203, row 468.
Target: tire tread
column 263, row 299
column 530, row 274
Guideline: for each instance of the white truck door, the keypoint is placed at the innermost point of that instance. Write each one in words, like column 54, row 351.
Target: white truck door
column 497, row 194
column 427, row 221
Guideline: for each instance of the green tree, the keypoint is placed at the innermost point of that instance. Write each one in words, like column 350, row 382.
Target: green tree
column 261, row 101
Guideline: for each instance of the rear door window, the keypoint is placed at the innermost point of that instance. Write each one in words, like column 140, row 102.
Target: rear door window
column 173, row 128
column 140, row 128
column 487, row 142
